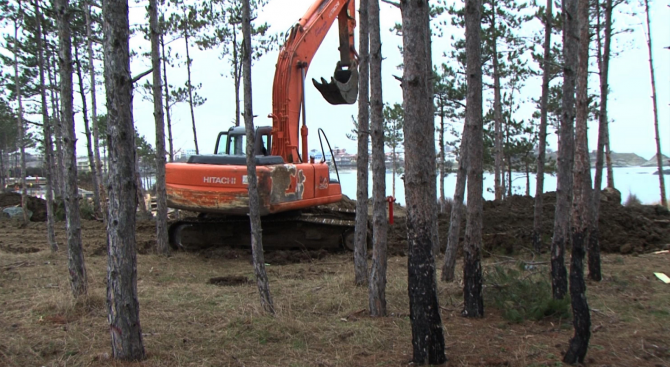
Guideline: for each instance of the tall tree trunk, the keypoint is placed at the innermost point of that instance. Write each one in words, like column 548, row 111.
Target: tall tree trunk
column 430, row 106
column 161, row 195
column 472, row 269
column 497, row 113
column 77, row 269
column 542, row 145
column 427, row 337
column 55, row 113
column 377, row 283
column 122, row 304
column 87, row 132
column 659, row 155
column 561, row 238
column 19, row 119
column 94, row 115
column 142, row 204
column 190, row 84
column 603, row 65
column 362, row 161
column 3, row 183
column 167, row 99
column 456, row 211
column 608, row 158
column 236, row 78
column 581, row 201
column 46, row 128
column 254, row 201
column 442, row 163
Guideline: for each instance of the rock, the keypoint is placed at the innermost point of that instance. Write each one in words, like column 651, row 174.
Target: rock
column 611, row 194
column 16, row 212
column 626, row 248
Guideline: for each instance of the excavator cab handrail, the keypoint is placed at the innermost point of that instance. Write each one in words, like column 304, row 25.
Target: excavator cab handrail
column 323, row 154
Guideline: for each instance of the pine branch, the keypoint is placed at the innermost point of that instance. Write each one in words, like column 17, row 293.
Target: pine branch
column 142, row 75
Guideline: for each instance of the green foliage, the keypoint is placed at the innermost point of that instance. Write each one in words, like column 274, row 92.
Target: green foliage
column 523, row 293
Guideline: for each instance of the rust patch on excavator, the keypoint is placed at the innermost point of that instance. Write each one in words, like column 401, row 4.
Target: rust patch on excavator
column 288, row 183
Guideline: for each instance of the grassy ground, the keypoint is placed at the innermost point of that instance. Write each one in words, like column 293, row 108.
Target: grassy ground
column 321, row 317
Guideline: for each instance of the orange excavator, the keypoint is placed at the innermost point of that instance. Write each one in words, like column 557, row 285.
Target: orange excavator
column 294, row 189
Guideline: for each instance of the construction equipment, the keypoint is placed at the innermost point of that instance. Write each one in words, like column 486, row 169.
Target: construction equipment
column 294, row 190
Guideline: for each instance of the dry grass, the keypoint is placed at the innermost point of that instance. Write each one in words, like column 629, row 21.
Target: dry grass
column 321, row 317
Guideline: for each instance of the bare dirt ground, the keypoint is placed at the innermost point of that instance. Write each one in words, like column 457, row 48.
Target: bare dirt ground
column 202, row 309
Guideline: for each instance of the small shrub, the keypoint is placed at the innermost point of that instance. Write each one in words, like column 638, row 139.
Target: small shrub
column 523, row 294
column 632, row 200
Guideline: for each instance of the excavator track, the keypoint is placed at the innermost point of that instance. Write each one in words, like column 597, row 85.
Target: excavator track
column 321, row 227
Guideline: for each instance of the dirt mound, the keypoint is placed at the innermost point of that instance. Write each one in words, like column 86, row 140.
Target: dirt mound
column 36, row 205
column 508, row 226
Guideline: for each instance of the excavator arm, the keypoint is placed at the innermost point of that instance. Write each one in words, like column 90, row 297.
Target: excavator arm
column 294, row 59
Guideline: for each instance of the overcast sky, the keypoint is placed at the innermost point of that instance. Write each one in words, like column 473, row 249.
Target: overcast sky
column 630, row 105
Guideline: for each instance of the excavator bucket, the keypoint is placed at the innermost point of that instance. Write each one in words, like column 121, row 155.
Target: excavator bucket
column 343, row 86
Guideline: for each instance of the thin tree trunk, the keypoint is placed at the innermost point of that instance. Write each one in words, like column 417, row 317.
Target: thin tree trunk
column 122, row 304
column 161, row 195
column 94, row 114
column 236, row 78
column 608, row 157
column 497, row 113
column 377, row 283
column 190, row 84
column 542, row 145
column 46, row 126
column 19, row 119
column 142, row 205
column 448, row 269
column 472, row 270
column 561, row 238
column 427, row 336
column 527, row 177
column 254, row 201
column 603, row 65
column 581, row 201
column 362, row 161
column 167, row 99
column 430, row 106
column 442, row 163
column 659, row 155
column 77, row 269
column 58, row 159
column 3, row 183
column 87, row 132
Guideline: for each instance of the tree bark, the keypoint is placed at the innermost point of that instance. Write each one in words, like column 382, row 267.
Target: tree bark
column 542, row 145
column 19, row 119
column 497, row 112
column 659, row 155
column 122, row 303
column 141, row 204
column 448, row 269
column 161, row 195
column 46, row 128
column 472, row 270
column 236, row 78
column 362, row 160
column 603, row 64
column 94, row 115
column 377, row 283
column 564, row 182
column 87, row 133
column 430, row 106
column 581, row 200
column 167, row 99
column 427, row 337
column 254, row 201
column 190, row 85
column 77, row 269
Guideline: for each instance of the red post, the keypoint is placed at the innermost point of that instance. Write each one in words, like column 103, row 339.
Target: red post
column 391, row 200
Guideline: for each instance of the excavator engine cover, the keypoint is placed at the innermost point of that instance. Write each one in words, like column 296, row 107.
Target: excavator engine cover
column 343, row 86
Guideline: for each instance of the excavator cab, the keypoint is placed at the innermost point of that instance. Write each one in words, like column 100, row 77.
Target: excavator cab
column 343, row 86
